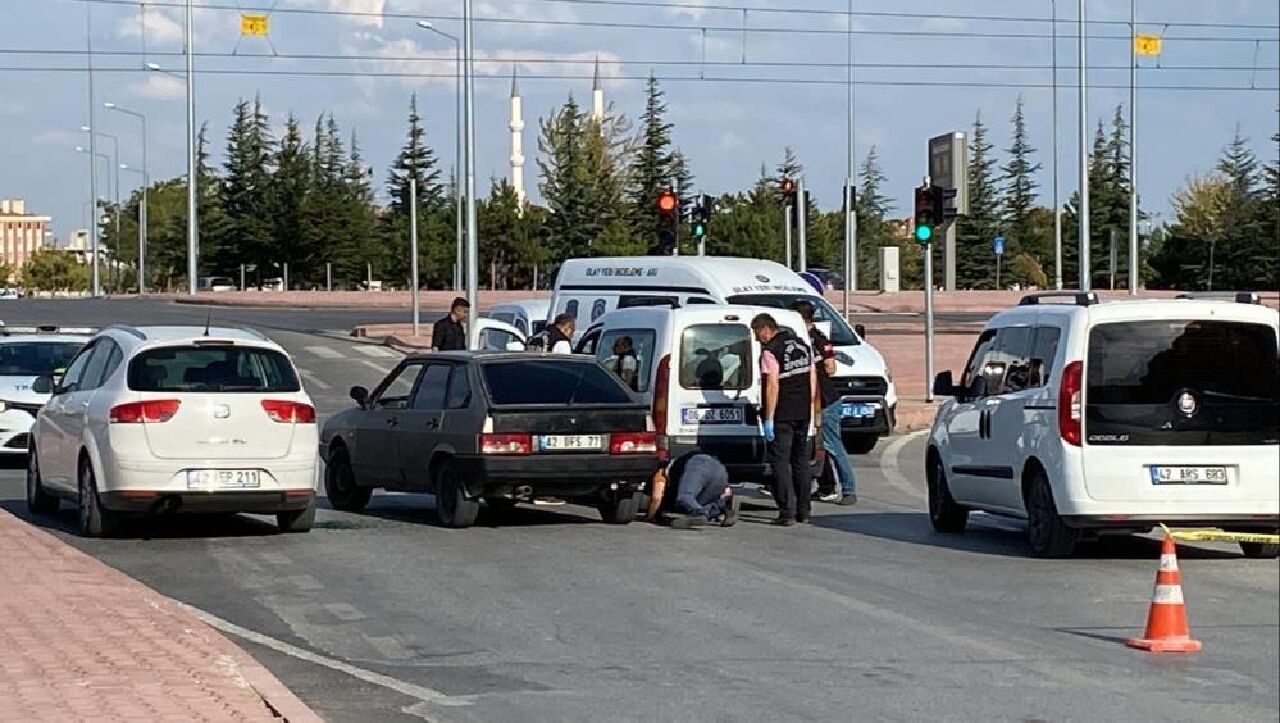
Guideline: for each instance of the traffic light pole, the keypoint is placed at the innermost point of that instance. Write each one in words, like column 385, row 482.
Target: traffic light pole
column 928, row 312
column 786, row 232
column 802, row 236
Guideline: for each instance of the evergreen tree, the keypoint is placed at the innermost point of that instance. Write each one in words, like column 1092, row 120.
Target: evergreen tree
column 248, row 237
column 416, row 160
column 603, row 178
column 562, row 156
column 872, row 208
column 289, row 198
column 975, row 262
column 651, row 167
column 1245, row 255
column 1020, row 195
column 510, row 243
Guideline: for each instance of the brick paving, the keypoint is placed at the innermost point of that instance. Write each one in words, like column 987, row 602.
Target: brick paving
column 81, row 641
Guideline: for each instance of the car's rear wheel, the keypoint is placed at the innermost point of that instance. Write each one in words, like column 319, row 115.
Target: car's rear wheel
column 1048, row 534
column 297, row 520
column 95, row 520
column 39, row 502
column 944, row 513
column 621, row 509
column 340, row 484
column 1260, row 550
column 452, row 504
column 860, row 443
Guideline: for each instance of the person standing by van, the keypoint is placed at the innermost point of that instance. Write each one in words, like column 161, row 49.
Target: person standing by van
column 448, row 334
column 557, row 338
column 825, row 366
column 789, row 401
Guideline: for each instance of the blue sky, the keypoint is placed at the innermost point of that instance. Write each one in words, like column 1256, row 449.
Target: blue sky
column 727, row 129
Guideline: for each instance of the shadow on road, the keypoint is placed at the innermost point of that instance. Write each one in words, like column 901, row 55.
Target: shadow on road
column 990, row 537
column 421, row 509
column 181, row 526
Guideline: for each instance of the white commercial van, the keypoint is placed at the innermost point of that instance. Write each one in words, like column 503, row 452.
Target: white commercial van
column 698, row 368
column 529, row 315
column 589, row 288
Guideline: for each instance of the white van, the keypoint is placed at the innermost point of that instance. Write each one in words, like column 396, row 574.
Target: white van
column 529, row 315
column 697, row 368
column 587, row 289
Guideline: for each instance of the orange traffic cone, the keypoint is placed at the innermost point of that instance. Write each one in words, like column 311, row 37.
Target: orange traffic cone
column 1167, row 630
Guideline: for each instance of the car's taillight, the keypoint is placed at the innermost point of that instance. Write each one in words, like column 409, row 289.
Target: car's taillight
column 154, row 411
column 505, row 443
column 286, row 411
column 633, row 443
column 661, row 387
column 1071, row 403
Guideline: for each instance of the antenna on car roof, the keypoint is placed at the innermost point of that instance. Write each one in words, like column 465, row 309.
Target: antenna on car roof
column 207, row 321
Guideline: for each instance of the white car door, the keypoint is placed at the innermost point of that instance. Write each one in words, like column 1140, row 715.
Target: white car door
column 55, row 422
column 966, row 428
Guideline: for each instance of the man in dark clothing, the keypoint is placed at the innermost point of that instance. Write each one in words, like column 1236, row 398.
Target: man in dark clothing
column 789, row 398
column 557, row 338
column 829, row 433
column 448, row 334
column 699, row 494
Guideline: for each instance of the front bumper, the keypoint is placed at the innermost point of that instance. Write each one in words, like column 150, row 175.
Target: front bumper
column 252, row 501
column 578, row 475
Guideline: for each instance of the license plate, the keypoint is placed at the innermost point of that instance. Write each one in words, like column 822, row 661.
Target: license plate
column 858, row 410
column 1188, row 475
column 570, row 442
column 203, row 479
column 711, row 415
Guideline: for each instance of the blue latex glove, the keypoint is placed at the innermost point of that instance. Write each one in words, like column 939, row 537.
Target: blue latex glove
column 767, row 426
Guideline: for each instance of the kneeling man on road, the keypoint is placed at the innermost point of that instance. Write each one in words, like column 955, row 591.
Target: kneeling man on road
column 699, row 494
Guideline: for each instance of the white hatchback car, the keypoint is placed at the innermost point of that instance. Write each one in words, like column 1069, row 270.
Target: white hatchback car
column 1087, row 418
column 170, row 419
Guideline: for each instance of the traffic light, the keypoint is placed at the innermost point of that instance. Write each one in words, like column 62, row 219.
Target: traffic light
column 925, row 220
column 850, row 193
column 668, row 222
column 703, row 207
column 787, row 186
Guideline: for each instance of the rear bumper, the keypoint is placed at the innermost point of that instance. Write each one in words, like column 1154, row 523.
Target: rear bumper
column 882, row 423
column 589, row 475
column 259, row 501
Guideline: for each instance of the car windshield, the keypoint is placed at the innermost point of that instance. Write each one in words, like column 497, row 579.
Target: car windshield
column 715, row 356
column 558, row 381
column 212, row 369
column 841, row 333
column 35, row 358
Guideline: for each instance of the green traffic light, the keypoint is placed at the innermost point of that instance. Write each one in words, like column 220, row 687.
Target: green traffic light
column 923, row 232
column 699, row 230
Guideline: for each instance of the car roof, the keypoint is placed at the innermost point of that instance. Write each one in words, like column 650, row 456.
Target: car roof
column 491, row 355
column 735, row 313
column 53, row 338
column 1226, row 308
column 525, row 304
column 718, row 275
column 168, row 334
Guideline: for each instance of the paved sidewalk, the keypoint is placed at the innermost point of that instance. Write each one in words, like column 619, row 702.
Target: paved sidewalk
column 80, row 641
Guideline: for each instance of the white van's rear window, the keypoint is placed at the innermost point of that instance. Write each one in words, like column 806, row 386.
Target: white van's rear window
column 716, row 356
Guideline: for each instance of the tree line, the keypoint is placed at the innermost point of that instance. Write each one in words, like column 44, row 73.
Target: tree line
column 308, row 199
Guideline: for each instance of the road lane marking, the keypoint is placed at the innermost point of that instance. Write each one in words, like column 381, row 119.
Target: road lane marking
column 376, row 366
column 324, row 352
column 313, row 380
column 411, row 690
column 345, row 612
column 890, row 464
column 374, row 351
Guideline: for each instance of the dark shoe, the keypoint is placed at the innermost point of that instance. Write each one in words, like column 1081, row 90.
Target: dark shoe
column 802, row 519
column 688, row 522
column 730, row 517
column 849, row 500
column 783, row 521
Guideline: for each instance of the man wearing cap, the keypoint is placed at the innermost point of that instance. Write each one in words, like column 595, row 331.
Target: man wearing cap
column 448, row 334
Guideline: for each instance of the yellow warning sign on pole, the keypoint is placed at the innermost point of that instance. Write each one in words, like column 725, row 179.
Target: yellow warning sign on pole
column 254, row 24
column 1147, row 44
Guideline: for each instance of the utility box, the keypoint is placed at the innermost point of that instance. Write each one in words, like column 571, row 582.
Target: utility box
column 890, row 279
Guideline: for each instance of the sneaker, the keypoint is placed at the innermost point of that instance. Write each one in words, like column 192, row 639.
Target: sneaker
column 765, row 491
column 783, row 521
column 730, row 517
column 688, row 522
column 848, row 500
column 831, row 497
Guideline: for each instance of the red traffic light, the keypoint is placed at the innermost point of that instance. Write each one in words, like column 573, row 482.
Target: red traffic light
column 667, row 201
column 788, row 185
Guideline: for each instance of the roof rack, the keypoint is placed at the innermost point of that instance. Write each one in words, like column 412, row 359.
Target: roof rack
column 1240, row 297
column 44, row 329
column 128, row 329
column 1079, row 298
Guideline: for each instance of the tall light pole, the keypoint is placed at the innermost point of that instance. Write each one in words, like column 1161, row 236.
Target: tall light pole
column 142, row 209
column 473, row 312
column 851, row 215
column 1057, row 206
column 1133, row 148
column 193, row 228
column 457, row 150
column 115, row 143
column 1086, row 277
column 96, row 283
column 95, row 219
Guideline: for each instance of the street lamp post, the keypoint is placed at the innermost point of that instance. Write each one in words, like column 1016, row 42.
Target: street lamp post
column 142, row 209
column 96, row 283
column 1086, row 275
column 457, row 150
column 115, row 144
column 193, row 228
column 95, row 219
column 473, row 311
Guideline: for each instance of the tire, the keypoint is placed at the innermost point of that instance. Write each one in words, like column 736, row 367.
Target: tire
column 620, row 510
column 945, row 514
column 95, row 521
column 1048, row 535
column 340, row 484
column 297, row 520
column 860, row 443
column 39, row 502
column 1260, row 550
column 453, row 506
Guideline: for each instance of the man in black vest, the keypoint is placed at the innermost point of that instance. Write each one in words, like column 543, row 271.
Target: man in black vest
column 448, row 334
column 789, row 398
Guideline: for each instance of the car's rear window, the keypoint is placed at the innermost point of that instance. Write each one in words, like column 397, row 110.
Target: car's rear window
column 715, row 356
column 224, row 368
column 552, row 381
column 35, row 358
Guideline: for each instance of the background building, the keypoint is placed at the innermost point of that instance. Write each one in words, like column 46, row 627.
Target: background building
column 21, row 234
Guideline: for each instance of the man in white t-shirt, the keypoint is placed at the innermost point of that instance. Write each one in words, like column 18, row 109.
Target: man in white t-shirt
column 624, row 364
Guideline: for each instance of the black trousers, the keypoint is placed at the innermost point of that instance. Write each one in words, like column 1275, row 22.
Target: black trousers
column 788, row 454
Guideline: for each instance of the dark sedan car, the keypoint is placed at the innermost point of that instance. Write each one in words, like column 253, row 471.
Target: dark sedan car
column 499, row 427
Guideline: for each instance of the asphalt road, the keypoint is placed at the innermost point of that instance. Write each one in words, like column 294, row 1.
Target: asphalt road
column 864, row 615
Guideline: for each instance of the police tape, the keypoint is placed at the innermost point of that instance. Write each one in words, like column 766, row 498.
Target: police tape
column 1221, row 536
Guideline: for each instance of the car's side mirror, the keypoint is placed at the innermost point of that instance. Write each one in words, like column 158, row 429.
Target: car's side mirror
column 944, row 385
column 860, row 330
column 360, row 396
column 43, row 385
